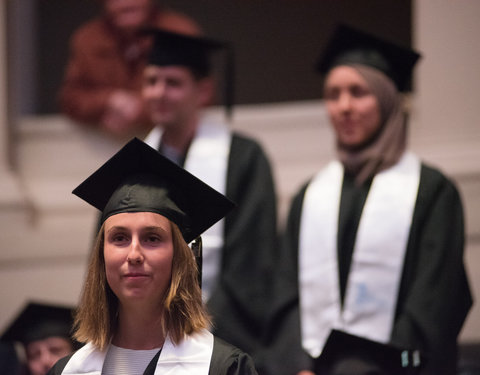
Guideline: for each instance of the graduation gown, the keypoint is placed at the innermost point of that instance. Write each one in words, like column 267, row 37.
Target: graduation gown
column 239, row 304
column 225, row 359
column 434, row 296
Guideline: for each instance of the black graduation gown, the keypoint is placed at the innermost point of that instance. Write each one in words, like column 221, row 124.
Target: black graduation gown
column 240, row 302
column 226, row 360
column 9, row 361
column 434, row 296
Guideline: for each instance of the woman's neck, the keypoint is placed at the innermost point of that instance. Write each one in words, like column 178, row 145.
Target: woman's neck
column 139, row 329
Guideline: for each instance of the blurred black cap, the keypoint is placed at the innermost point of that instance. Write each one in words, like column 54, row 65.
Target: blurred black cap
column 193, row 52
column 38, row 321
column 351, row 46
column 139, row 179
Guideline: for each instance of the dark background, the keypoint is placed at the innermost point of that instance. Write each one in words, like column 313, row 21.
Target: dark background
column 276, row 41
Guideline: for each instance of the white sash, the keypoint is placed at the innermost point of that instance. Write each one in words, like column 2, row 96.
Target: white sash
column 191, row 356
column 374, row 277
column 207, row 159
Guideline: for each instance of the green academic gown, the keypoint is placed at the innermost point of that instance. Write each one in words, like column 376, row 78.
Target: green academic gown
column 240, row 303
column 434, row 297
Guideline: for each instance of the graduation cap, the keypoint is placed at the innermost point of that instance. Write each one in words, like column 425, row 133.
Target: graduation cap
column 351, row 46
column 193, row 52
column 38, row 321
column 139, row 179
column 346, row 354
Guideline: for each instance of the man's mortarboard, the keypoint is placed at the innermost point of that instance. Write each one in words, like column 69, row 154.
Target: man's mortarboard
column 193, row 52
column 345, row 353
column 139, row 179
column 38, row 321
column 352, row 46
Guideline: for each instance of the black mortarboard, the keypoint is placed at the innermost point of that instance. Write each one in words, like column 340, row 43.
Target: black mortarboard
column 352, row 46
column 139, row 179
column 193, row 52
column 346, row 354
column 38, row 321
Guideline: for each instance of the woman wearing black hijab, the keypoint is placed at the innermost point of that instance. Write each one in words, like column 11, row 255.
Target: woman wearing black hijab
column 374, row 242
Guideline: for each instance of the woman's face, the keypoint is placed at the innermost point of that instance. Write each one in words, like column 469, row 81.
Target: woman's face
column 353, row 109
column 43, row 354
column 138, row 255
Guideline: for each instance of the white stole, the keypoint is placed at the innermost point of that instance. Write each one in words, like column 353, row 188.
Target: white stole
column 191, row 356
column 378, row 257
column 207, row 159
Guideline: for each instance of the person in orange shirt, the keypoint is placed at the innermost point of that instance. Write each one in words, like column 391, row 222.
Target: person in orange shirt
column 103, row 77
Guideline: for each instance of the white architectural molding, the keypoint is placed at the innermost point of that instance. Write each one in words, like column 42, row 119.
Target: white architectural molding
column 11, row 197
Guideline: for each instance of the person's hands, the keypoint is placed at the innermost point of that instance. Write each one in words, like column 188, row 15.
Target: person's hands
column 305, row 372
column 122, row 113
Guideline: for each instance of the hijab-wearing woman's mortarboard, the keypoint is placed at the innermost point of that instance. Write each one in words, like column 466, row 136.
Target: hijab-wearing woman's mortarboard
column 345, row 353
column 194, row 52
column 38, row 321
column 139, row 179
column 351, row 46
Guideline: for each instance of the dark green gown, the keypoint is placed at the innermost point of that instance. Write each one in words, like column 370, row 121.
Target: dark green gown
column 240, row 303
column 434, row 296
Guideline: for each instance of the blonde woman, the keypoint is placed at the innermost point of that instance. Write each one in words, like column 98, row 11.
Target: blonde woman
column 141, row 310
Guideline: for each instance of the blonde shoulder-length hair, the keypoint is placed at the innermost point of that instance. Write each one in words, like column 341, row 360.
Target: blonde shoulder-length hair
column 184, row 312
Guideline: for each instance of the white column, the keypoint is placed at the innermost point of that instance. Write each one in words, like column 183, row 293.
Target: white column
column 445, row 122
column 10, row 194
column 448, row 76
